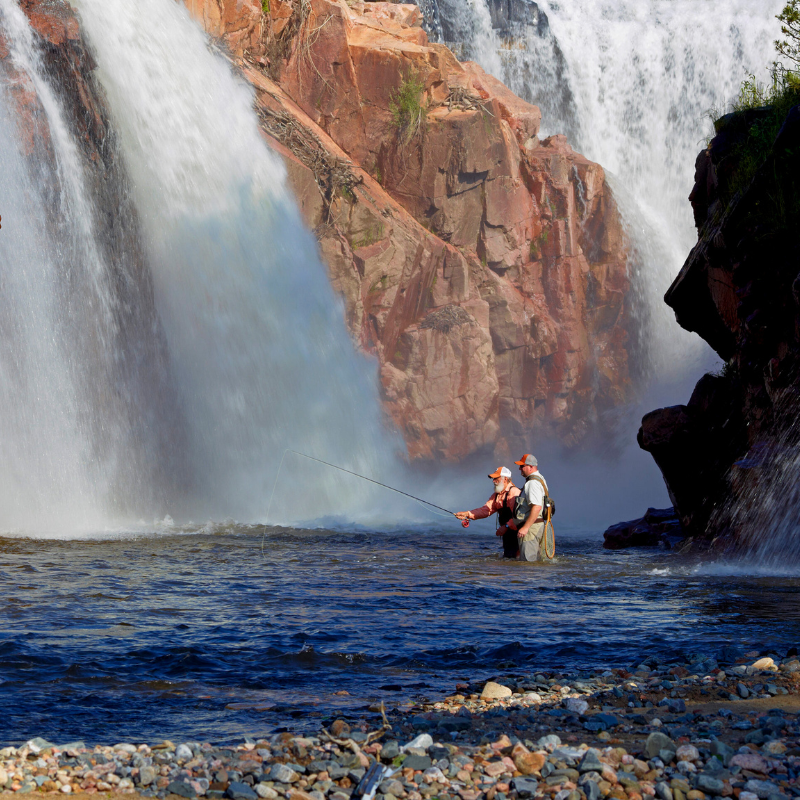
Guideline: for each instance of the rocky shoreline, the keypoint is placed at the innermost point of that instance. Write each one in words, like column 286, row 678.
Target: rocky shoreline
column 724, row 726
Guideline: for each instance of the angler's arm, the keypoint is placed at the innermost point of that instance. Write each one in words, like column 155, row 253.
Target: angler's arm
column 486, row 510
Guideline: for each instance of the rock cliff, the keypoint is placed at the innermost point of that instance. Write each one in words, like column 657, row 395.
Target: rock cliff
column 485, row 269
column 728, row 455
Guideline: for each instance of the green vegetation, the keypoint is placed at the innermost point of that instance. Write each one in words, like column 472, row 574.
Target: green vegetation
column 536, row 244
column 409, row 112
column 265, row 6
column 790, row 28
column 370, row 236
column 759, row 110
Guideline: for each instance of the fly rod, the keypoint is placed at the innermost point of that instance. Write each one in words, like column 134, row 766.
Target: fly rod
column 464, row 522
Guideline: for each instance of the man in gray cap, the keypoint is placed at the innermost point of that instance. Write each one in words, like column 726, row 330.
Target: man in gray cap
column 530, row 523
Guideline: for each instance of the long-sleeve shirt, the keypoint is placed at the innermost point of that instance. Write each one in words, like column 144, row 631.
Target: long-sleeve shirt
column 496, row 502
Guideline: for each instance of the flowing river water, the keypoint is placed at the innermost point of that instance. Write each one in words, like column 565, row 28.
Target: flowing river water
column 196, row 634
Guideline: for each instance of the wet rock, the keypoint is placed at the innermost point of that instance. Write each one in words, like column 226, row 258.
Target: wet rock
column 146, row 775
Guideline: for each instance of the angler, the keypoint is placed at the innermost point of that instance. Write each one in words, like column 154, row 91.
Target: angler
column 533, row 513
column 502, row 503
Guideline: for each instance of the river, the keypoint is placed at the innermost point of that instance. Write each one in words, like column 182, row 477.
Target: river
column 223, row 631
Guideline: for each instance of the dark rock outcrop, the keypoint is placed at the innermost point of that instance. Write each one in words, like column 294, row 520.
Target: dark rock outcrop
column 659, row 526
column 739, row 291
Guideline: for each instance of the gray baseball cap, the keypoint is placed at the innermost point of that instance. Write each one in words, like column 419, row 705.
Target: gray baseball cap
column 528, row 461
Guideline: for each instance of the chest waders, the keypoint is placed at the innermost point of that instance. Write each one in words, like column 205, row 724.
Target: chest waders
column 548, row 509
column 510, row 540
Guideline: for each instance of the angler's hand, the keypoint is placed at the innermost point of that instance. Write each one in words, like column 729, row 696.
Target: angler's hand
column 464, row 515
column 501, row 530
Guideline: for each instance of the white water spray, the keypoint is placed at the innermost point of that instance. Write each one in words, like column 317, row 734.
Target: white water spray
column 256, row 348
column 256, row 337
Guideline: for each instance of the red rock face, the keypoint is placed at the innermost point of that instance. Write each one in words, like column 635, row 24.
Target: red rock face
column 485, row 269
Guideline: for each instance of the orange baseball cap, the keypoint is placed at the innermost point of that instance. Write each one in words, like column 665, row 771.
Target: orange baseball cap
column 501, row 472
column 528, row 460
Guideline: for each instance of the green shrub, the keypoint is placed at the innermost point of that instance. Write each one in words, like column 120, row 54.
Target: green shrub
column 771, row 102
column 265, row 6
column 790, row 28
column 409, row 113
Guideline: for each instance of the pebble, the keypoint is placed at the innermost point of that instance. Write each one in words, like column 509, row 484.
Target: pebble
column 578, row 736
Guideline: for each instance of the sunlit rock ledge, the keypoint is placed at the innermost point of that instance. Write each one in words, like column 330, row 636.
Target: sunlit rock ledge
column 485, row 269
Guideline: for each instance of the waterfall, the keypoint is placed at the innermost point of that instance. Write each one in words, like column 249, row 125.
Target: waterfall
column 631, row 83
column 246, row 336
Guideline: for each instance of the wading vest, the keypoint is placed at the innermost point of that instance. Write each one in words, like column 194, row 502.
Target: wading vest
column 522, row 507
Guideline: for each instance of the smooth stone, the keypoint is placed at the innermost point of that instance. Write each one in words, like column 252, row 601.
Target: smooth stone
column 592, row 790
column 676, row 705
column 423, row 741
column 240, row 791
column 390, row 751
column 417, row 762
column 663, row 792
column 495, row 691
column 181, row 789
column 265, row 792
column 551, row 740
column 762, row 788
column 284, row 774
column 37, row 744
column 656, row 742
column 742, row 690
column 764, row 663
column 723, row 751
column 590, row 763
column 576, row 705
column 146, row 776
column 525, row 787
column 183, row 752
column 709, row 785
column 687, row 752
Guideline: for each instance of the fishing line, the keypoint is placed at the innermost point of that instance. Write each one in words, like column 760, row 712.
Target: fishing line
column 425, row 503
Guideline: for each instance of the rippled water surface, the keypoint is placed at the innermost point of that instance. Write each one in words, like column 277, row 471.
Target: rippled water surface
column 200, row 635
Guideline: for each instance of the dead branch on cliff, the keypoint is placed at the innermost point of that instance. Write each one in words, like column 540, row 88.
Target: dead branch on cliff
column 334, row 176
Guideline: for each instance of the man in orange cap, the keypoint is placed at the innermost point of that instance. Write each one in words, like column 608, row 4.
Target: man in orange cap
column 501, row 503
column 528, row 518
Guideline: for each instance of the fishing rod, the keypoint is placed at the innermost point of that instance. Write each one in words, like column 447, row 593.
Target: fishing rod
column 464, row 522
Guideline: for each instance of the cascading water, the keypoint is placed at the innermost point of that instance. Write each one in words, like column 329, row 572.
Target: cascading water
column 255, row 346
column 631, row 84
column 76, row 359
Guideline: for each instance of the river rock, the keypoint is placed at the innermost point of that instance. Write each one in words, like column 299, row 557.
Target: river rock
column 709, row 785
column 240, row 791
column 146, row 775
column 183, row 752
column 283, row 774
column 525, row 787
column 658, row 741
column 529, row 763
column 493, row 691
column 762, row 788
column 765, row 664
column 183, row 789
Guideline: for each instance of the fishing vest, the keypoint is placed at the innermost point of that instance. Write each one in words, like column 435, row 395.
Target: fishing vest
column 522, row 507
column 506, row 512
